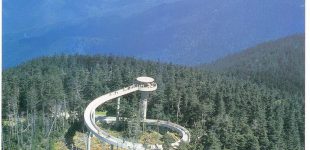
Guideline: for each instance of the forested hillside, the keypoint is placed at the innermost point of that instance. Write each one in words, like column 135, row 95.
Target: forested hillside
column 278, row 64
column 220, row 112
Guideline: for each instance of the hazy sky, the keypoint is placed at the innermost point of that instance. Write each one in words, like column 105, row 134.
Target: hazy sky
column 178, row 31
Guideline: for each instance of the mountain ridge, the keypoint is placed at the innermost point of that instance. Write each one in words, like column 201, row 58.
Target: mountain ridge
column 181, row 32
column 279, row 62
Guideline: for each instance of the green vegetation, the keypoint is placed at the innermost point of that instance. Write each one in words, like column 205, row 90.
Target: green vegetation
column 101, row 113
column 168, row 139
column 150, row 137
column 277, row 64
column 221, row 112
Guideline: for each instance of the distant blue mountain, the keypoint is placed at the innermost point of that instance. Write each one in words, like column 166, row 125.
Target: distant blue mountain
column 177, row 31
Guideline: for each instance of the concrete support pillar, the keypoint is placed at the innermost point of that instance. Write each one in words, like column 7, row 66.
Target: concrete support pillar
column 118, row 107
column 88, row 141
column 143, row 105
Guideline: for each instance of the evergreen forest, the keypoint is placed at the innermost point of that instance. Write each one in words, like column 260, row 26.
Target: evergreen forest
column 221, row 111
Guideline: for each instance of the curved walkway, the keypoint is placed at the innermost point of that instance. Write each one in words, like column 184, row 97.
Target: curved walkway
column 89, row 119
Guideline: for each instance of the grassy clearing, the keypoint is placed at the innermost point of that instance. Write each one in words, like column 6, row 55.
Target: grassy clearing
column 101, row 113
column 80, row 142
column 60, row 145
column 151, row 137
column 174, row 135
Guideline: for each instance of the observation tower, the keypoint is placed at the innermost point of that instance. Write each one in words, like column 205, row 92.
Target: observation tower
column 145, row 85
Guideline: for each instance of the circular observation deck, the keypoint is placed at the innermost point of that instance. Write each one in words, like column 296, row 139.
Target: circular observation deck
column 146, row 84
